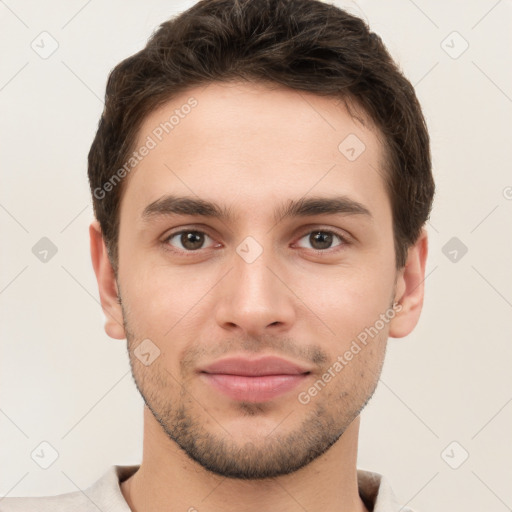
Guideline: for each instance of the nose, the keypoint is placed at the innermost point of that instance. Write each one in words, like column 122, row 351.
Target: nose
column 255, row 298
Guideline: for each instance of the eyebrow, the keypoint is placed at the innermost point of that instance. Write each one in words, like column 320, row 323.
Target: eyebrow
column 305, row 207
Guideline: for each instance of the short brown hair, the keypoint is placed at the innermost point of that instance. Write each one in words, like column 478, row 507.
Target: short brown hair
column 306, row 45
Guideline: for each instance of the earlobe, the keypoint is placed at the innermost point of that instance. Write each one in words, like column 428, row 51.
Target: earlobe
column 107, row 285
column 410, row 289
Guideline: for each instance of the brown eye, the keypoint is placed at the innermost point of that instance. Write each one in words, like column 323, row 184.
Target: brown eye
column 320, row 240
column 189, row 240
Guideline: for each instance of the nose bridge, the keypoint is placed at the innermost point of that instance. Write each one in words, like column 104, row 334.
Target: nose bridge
column 251, row 270
column 255, row 297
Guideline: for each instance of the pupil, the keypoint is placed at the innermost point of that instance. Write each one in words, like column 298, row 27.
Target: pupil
column 322, row 238
column 191, row 240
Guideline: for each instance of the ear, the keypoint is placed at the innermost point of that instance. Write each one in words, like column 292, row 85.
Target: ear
column 410, row 289
column 106, row 283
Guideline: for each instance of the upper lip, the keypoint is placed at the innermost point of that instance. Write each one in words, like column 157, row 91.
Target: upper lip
column 267, row 365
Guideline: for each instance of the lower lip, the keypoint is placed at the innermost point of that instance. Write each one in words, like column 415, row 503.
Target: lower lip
column 253, row 389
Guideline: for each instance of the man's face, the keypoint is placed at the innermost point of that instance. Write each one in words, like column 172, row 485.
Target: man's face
column 301, row 287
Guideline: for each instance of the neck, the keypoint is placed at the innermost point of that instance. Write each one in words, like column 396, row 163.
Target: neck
column 169, row 479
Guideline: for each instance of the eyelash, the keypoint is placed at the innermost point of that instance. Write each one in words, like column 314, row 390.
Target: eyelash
column 330, row 250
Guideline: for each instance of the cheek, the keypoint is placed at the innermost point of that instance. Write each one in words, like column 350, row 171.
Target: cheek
column 165, row 306
column 348, row 300
column 156, row 288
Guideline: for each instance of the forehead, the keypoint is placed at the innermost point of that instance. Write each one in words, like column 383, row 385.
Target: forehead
column 254, row 141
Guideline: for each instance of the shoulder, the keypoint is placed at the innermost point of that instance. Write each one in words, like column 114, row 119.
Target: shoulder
column 104, row 494
column 75, row 501
column 377, row 494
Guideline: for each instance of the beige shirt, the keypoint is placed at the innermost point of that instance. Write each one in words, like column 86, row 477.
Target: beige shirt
column 105, row 495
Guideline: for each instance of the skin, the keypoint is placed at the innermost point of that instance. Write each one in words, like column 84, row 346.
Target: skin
column 251, row 148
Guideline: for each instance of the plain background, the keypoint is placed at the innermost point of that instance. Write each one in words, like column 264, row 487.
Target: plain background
column 65, row 382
